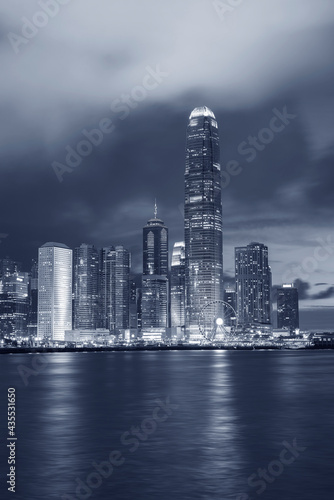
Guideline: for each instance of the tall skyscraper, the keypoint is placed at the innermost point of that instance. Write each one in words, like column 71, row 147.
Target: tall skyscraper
column 288, row 308
column 177, row 286
column 14, row 304
column 33, row 300
column 86, row 293
column 154, row 300
column 230, row 297
column 115, row 289
column 54, row 291
column 253, row 285
column 203, row 220
column 155, row 246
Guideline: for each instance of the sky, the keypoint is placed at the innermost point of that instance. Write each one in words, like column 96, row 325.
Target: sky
column 132, row 72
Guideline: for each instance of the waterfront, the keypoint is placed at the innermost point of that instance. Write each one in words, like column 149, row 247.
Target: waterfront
column 231, row 413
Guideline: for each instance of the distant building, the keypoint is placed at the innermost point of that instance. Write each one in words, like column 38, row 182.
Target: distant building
column 230, row 297
column 54, row 291
column 155, row 286
column 203, row 220
column 177, row 286
column 253, row 285
column 86, row 293
column 287, row 308
column 114, row 287
column 14, row 304
column 33, row 300
column 8, row 267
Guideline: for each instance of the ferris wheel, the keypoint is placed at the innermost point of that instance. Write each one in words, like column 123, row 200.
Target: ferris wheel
column 218, row 322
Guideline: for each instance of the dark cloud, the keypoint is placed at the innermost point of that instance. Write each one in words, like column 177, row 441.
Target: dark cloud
column 259, row 60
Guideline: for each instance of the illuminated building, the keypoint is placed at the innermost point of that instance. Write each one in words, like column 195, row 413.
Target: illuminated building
column 177, row 286
column 54, row 291
column 253, row 285
column 86, row 278
column 203, row 220
column 154, row 298
column 14, row 304
column 287, row 308
column 115, row 289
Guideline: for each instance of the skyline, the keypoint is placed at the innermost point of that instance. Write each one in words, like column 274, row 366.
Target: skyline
column 283, row 198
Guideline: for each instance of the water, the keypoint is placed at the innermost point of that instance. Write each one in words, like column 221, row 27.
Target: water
column 230, row 414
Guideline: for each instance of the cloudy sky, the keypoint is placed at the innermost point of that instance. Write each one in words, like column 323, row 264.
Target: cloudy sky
column 135, row 70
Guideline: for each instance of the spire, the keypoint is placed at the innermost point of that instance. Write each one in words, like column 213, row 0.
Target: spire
column 155, row 209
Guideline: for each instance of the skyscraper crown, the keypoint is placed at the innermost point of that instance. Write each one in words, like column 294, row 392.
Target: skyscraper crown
column 202, row 111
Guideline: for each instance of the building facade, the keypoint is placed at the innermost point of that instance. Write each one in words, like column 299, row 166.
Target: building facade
column 14, row 304
column 288, row 308
column 253, row 285
column 155, row 284
column 114, row 287
column 54, row 291
column 86, row 292
column 203, row 220
column 177, row 286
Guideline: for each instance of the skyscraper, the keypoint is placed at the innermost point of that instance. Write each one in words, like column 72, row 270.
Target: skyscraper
column 203, row 220
column 154, row 300
column 14, row 304
column 54, row 291
column 287, row 308
column 115, row 288
column 177, row 286
column 86, row 278
column 253, row 285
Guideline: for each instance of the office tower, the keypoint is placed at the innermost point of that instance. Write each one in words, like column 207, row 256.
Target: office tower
column 155, row 246
column 115, row 265
column 177, row 286
column 33, row 300
column 133, row 305
column 154, row 299
column 203, row 220
column 230, row 297
column 287, row 308
column 14, row 304
column 86, row 294
column 54, row 291
column 253, row 285
column 8, row 267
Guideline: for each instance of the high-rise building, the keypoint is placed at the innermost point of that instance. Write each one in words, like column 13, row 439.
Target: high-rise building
column 14, row 304
column 54, row 291
column 154, row 299
column 114, row 287
column 33, row 300
column 230, row 297
column 253, row 285
column 203, row 220
column 177, row 286
column 86, row 293
column 288, row 308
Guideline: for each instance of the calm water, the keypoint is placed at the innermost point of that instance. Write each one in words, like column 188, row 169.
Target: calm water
column 234, row 411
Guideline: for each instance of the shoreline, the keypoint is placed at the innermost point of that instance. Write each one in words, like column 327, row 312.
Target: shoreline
column 42, row 350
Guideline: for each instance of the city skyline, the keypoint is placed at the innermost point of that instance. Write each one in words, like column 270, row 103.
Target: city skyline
column 279, row 194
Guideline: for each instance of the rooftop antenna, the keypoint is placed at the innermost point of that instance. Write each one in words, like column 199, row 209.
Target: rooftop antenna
column 155, row 209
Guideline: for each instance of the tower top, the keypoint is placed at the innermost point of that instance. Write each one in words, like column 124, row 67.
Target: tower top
column 155, row 209
column 202, row 111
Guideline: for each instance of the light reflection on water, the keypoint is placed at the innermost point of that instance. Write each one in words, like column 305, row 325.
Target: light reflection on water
column 234, row 411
